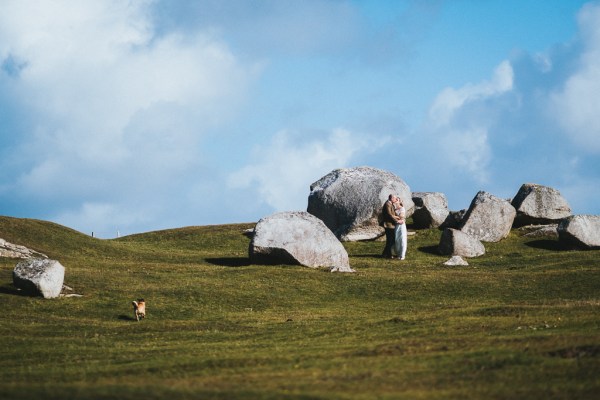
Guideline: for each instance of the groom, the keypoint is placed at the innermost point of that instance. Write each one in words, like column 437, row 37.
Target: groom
column 390, row 220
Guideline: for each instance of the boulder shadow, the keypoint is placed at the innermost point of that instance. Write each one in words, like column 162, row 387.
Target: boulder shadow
column 547, row 244
column 375, row 255
column 16, row 292
column 430, row 250
column 232, row 262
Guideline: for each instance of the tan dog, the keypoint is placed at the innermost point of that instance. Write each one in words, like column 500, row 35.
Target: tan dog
column 139, row 309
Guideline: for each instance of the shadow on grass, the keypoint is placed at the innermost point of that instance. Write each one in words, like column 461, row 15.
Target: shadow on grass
column 230, row 261
column 14, row 291
column 547, row 244
column 430, row 250
column 376, row 255
column 124, row 317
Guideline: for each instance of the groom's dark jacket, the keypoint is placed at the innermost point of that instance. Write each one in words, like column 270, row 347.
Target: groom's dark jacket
column 388, row 215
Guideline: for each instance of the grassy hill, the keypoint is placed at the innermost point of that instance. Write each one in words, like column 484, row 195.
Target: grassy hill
column 520, row 322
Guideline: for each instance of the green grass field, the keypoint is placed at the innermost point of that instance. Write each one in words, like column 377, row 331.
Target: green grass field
column 521, row 322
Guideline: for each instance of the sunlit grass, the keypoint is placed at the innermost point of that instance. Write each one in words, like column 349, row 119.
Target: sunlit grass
column 520, row 322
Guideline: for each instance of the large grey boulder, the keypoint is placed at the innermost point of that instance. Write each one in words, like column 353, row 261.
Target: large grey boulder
column 297, row 237
column 349, row 201
column 456, row 243
column 431, row 209
column 537, row 204
column 36, row 276
column 582, row 231
column 488, row 218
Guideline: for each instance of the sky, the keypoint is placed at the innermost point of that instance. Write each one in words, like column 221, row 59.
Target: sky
column 121, row 117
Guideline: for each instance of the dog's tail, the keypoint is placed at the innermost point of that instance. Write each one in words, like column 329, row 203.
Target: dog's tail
column 135, row 304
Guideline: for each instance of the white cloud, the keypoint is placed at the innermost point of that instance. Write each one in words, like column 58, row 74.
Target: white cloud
column 271, row 27
column 577, row 105
column 451, row 100
column 113, row 110
column 93, row 65
column 456, row 134
column 468, row 151
column 116, row 112
column 283, row 171
column 500, row 133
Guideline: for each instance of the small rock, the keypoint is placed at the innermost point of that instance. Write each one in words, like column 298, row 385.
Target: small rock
column 539, row 231
column 456, row 261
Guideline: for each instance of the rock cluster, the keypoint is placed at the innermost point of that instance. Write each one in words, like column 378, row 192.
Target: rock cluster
column 345, row 205
column 538, row 211
column 349, row 203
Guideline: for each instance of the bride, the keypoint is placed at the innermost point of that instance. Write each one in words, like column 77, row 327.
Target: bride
column 400, row 230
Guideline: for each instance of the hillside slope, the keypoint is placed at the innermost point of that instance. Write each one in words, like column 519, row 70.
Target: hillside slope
column 520, row 322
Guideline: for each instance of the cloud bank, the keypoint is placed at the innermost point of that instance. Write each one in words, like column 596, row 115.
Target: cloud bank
column 136, row 116
column 116, row 115
column 282, row 172
column 536, row 120
column 576, row 104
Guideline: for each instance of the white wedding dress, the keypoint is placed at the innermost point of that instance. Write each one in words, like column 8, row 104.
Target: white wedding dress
column 400, row 234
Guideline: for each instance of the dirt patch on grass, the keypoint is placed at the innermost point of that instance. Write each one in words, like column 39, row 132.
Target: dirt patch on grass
column 577, row 351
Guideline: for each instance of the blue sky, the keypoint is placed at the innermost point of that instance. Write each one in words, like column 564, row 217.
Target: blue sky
column 136, row 116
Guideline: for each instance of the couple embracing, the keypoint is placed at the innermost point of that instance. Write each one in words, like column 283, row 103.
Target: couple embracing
column 393, row 216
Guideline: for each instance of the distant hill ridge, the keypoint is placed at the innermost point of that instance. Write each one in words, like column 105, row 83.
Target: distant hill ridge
column 41, row 236
column 60, row 242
